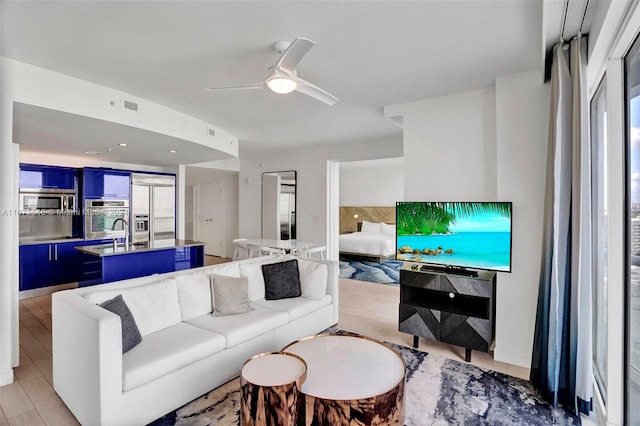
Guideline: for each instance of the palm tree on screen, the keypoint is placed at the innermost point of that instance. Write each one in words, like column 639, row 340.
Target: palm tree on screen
column 429, row 218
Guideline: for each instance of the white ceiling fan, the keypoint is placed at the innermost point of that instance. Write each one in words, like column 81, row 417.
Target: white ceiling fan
column 283, row 77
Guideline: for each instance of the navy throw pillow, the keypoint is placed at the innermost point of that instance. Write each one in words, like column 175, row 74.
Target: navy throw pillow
column 130, row 333
column 281, row 280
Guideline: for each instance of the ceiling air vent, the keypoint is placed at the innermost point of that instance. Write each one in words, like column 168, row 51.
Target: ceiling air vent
column 130, row 105
column 211, row 132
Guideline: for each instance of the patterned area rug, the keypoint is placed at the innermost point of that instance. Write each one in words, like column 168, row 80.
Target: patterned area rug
column 438, row 391
column 383, row 273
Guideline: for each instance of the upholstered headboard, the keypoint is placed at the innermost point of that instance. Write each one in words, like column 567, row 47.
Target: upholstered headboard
column 351, row 217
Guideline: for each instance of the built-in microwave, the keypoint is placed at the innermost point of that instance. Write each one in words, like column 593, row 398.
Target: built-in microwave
column 52, row 201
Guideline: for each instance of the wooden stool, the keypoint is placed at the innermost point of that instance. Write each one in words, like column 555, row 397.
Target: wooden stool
column 270, row 385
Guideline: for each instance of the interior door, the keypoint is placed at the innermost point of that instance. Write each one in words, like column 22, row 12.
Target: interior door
column 209, row 218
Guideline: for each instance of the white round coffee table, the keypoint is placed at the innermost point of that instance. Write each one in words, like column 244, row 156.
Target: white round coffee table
column 351, row 377
column 270, row 385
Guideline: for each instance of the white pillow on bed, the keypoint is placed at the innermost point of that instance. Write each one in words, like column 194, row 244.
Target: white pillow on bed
column 387, row 229
column 370, row 227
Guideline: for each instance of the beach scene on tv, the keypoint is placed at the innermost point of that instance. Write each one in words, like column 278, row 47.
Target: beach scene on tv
column 460, row 234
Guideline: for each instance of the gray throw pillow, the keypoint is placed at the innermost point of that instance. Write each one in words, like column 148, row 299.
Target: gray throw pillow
column 230, row 295
column 281, row 280
column 130, row 333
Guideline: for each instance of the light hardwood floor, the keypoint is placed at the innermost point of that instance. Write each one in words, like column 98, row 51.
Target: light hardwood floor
column 365, row 308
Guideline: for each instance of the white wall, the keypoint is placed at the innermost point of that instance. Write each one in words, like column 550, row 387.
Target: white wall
column 486, row 145
column 311, row 165
column 377, row 183
column 522, row 139
column 449, row 147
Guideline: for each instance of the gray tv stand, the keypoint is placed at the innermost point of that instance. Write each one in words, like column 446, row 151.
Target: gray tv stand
column 456, row 309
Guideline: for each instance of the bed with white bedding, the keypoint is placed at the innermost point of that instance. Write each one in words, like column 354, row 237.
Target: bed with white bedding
column 374, row 240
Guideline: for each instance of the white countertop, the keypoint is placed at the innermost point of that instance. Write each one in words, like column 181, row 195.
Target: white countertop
column 108, row 250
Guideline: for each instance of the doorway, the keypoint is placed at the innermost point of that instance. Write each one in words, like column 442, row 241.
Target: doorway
column 209, row 209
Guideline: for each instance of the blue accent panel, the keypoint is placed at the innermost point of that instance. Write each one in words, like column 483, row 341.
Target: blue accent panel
column 124, row 266
column 585, row 407
column 106, row 183
column 40, row 176
column 189, row 257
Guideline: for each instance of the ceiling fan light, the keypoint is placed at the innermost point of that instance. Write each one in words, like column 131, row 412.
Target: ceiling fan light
column 281, row 85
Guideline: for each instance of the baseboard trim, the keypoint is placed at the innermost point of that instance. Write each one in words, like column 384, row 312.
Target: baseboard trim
column 6, row 377
column 43, row 291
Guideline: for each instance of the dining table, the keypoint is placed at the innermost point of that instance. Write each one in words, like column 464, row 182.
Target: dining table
column 288, row 246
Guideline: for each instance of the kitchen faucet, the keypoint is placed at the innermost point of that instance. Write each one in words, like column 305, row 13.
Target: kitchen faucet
column 125, row 226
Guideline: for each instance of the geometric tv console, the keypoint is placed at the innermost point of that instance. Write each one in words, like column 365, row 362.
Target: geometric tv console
column 448, row 308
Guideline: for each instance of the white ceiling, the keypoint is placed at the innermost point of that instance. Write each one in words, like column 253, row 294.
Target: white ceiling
column 369, row 54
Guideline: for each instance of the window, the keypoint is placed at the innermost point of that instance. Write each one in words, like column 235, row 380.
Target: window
column 600, row 234
column 632, row 294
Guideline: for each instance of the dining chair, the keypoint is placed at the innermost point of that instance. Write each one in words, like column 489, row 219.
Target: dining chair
column 266, row 251
column 308, row 252
column 242, row 250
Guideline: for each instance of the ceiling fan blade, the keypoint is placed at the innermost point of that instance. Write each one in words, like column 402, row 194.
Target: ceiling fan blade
column 238, row 87
column 294, row 54
column 314, row 91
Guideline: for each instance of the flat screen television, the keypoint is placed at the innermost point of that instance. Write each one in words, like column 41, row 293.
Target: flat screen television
column 454, row 236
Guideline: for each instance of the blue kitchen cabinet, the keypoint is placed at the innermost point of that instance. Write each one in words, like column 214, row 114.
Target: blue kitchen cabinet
column 106, row 183
column 35, row 176
column 35, row 266
column 67, row 263
column 44, row 265
column 90, row 265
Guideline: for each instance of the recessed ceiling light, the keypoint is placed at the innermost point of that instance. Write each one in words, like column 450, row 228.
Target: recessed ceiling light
column 173, row 151
column 122, row 144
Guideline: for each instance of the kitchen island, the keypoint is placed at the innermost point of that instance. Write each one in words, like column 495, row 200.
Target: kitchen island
column 105, row 263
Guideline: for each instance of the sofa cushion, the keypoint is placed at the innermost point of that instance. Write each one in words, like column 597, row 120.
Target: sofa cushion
column 130, row 333
column 154, row 306
column 281, row 280
column 194, row 294
column 295, row 307
column 241, row 328
column 313, row 279
column 253, row 272
column 230, row 295
column 167, row 350
column 226, row 269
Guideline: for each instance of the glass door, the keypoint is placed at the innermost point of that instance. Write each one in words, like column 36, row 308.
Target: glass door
column 632, row 338
column 600, row 234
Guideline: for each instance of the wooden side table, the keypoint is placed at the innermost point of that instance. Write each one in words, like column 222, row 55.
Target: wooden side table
column 351, row 380
column 270, row 386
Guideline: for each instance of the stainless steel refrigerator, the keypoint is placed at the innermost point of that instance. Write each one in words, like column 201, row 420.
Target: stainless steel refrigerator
column 153, row 207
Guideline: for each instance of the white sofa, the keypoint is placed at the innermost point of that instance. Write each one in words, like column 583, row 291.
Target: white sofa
column 176, row 361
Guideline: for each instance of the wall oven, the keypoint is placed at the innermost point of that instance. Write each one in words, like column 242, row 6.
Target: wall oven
column 99, row 216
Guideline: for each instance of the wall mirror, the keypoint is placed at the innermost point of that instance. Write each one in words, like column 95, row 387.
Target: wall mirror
column 279, row 205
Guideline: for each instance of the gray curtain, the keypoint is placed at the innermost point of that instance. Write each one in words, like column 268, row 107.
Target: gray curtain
column 561, row 366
